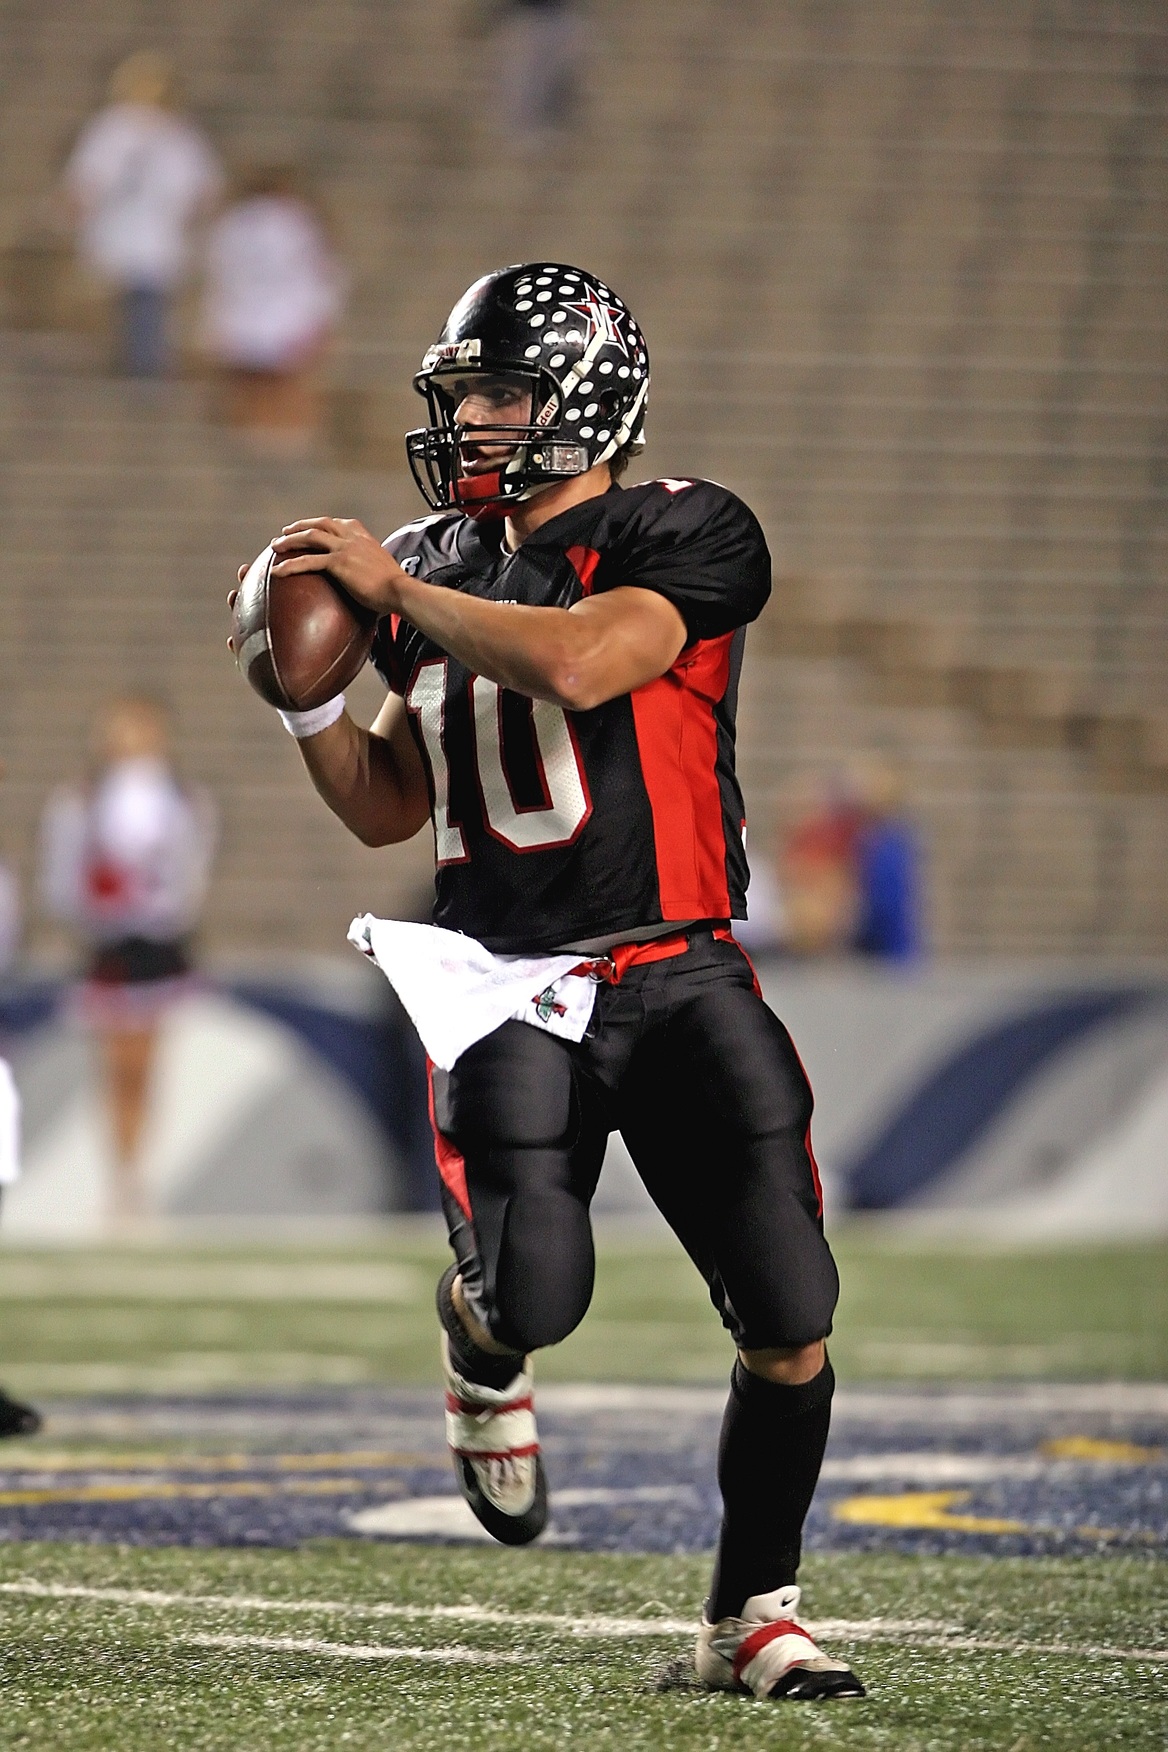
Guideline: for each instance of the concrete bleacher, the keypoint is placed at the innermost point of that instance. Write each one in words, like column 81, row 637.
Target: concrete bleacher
column 902, row 266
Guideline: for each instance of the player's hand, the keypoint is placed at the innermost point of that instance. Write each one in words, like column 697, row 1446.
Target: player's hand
column 344, row 548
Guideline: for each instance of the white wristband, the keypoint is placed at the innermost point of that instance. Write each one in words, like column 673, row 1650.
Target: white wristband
column 302, row 724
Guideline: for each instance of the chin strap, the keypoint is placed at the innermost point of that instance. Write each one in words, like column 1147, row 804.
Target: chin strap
column 479, row 495
column 480, row 498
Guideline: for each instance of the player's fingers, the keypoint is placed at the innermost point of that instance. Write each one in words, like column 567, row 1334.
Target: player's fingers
column 306, row 538
column 231, row 597
column 301, row 562
column 308, row 523
column 231, row 645
column 242, row 573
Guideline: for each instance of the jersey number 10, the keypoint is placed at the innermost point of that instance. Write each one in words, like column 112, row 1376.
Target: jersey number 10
column 524, row 828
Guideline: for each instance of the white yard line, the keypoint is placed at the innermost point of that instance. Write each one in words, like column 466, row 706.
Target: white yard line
column 311, row 1645
column 899, row 1404
column 920, row 1632
column 947, row 1468
column 587, row 1627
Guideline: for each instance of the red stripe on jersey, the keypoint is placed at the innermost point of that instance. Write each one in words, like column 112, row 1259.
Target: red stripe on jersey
column 584, row 562
column 677, row 738
column 451, row 1162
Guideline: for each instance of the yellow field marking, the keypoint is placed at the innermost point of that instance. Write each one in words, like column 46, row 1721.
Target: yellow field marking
column 360, row 1459
column 1094, row 1448
column 162, row 1492
column 921, row 1508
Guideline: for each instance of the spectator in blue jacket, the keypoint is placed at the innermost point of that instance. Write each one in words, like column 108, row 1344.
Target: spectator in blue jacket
column 888, row 870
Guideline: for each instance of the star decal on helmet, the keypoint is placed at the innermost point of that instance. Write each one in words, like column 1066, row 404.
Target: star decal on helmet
column 602, row 316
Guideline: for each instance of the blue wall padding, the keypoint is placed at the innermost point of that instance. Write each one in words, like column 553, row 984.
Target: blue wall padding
column 957, row 1101
column 380, row 1057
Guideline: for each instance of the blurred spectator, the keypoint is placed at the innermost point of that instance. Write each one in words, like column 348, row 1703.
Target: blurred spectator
column 540, row 44
column 887, row 869
column 818, row 873
column 15, row 1419
column 275, row 292
column 9, row 916
column 125, row 862
column 765, row 925
column 138, row 179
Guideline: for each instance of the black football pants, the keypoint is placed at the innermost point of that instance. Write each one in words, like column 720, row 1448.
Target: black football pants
column 702, row 1081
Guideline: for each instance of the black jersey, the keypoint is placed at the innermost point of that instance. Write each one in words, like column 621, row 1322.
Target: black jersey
column 553, row 827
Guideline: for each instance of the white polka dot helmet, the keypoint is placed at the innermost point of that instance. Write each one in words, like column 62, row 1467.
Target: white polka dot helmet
column 586, row 357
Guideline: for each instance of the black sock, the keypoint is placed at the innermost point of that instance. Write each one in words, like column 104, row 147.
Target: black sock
column 482, row 1367
column 769, row 1457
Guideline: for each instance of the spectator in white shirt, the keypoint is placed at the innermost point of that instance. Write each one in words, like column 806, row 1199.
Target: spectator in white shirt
column 125, row 860
column 16, row 1419
column 138, row 180
column 541, row 50
column 275, row 291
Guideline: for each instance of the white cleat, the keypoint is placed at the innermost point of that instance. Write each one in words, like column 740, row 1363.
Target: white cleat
column 768, row 1652
column 492, row 1437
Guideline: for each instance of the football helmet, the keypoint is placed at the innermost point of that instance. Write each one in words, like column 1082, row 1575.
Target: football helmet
column 576, row 341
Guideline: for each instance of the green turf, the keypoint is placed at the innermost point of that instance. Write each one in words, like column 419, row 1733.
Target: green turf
column 80, row 1674
column 904, row 1313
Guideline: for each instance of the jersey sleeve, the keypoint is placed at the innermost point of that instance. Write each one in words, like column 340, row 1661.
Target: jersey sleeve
column 701, row 548
column 417, row 547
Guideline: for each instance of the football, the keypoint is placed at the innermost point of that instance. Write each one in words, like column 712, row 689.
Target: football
column 301, row 639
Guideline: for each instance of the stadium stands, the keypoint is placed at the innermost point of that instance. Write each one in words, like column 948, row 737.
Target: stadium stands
column 903, row 268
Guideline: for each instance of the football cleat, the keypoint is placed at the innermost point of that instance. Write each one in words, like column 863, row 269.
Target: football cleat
column 768, row 1652
column 493, row 1441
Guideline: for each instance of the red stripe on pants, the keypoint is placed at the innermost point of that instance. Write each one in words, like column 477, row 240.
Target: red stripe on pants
column 451, row 1162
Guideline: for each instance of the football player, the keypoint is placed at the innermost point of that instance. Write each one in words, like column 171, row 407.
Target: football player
column 561, row 655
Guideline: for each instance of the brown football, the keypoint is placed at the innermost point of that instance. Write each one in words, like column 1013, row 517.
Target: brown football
column 301, row 639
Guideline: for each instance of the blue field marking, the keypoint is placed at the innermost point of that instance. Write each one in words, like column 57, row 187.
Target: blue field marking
column 1012, row 1472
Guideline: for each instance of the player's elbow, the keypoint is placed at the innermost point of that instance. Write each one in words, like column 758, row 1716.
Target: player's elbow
column 577, row 686
column 407, row 816
column 373, row 834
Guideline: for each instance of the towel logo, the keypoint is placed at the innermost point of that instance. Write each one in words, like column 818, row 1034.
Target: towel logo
column 547, row 1005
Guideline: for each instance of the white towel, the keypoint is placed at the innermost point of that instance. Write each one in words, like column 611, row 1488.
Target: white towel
column 9, row 1126
column 457, row 992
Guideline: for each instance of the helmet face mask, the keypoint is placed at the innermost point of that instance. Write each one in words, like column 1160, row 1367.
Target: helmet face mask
column 575, row 343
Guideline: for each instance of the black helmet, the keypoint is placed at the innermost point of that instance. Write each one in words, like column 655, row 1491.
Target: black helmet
column 589, row 369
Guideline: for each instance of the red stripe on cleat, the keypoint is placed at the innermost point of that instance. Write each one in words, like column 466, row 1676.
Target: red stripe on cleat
column 475, row 1408
column 499, row 1453
column 758, row 1639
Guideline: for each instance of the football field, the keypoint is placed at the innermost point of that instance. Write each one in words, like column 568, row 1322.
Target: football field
column 239, row 1527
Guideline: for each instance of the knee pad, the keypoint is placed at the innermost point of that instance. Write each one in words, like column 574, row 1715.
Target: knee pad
column 543, row 1282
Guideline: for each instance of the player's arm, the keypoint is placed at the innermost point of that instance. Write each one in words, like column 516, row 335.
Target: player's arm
column 577, row 658
column 373, row 780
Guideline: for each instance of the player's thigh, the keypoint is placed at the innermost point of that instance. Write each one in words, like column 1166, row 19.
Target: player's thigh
column 521, row 1163
column 716, row 1112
